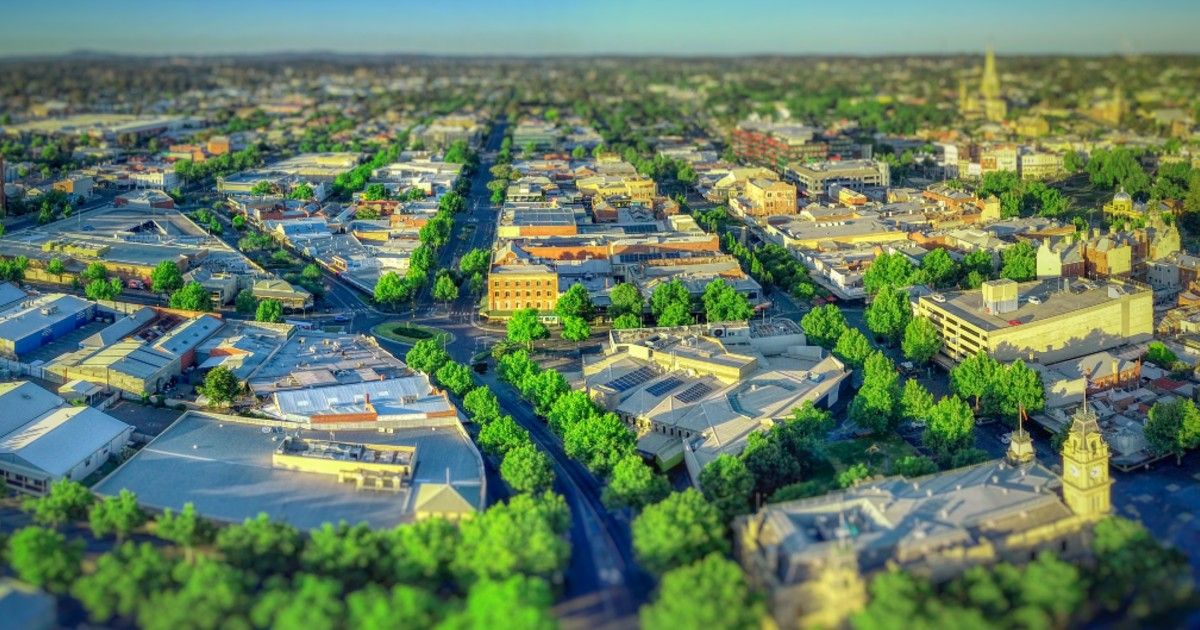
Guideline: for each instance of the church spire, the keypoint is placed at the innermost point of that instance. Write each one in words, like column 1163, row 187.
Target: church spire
column 989, row 85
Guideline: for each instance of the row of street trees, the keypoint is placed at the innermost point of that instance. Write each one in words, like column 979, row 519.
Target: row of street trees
column 489, row 571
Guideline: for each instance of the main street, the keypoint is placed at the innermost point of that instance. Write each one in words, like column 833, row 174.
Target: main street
column 603, row 584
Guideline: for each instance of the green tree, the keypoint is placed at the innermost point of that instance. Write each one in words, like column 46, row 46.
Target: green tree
column 427, row 356
column 305, row 601
column 724, row 304
column 122, row 579
column 850, row 477
column 192, row 297
column 354, row 555
column 669, row 294
column 911, row 466
column 625, row 300
column 975, row 376
column 888, row 269
column 525, row 327
column 422, row 552
column 980, row 263
column 888, row 313
column 575, row 302
column 921, row 341
column 501, row 435
column 56, row 267
column 104, row 289
column 678, row 531
column 391, row 289
column 1020, row 263
column 810, row 422
column 263, row 188
column 949, row 428
column 269, row 311
column 95, row 271
column 634, row 484
column 482, row 404
column 677, row 314
column 245, row 302
column 444, row 289
column 1173, row 428
column 575, row 329
column 455, row 377
column 915, row 401
column 184, row 528
column 375, row 192
column 475, row 261
column 728, row 485
column 709, row 593
column 221, row 386
column 1016, row 387
column 939, row 269
column 523, row 536
column 1134, row 573
column 516, row 602
column 600, row 442
column 1158, row 354
column 44, row 558
column 824, row 325
column 875, row 408
column 118, row 515
column 166, row 277
column 627, row 320
column 211, row 595
column 261, row 547
column 527, row 469
column 66, row 501
column 403, row 605
column 853, row 348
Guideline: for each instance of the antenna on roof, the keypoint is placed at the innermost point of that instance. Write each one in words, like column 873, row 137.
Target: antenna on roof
column 447, row 475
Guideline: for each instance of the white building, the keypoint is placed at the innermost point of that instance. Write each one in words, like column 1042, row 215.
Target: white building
column 43, row 439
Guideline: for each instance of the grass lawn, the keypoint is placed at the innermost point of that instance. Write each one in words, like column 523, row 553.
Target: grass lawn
column 402, row 332
column 878, row 454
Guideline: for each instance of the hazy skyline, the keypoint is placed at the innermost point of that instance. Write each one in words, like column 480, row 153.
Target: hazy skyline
column 679, row 27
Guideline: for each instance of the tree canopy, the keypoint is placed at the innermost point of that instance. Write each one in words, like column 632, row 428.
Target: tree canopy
column 678, row 531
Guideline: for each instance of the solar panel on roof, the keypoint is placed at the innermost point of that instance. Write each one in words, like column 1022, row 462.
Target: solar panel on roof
column 631, row 379
column 694, row 393
column 664, row 386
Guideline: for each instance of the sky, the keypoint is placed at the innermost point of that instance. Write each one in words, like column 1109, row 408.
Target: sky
column 570, row 27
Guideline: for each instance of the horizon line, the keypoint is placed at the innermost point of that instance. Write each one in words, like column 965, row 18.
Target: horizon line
column 86, row 52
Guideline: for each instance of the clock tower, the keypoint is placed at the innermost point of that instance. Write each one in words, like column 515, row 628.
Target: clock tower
column 1085, row 466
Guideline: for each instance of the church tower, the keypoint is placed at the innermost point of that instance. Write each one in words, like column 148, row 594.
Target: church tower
column 1086, row 484
column 989, row 85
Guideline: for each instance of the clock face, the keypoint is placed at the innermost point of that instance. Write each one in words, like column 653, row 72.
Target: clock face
column 1074, row 470
column 1095, row 472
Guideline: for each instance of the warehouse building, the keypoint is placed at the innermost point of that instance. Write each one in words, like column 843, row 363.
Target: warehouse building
column 36, row 322
column 43, row 439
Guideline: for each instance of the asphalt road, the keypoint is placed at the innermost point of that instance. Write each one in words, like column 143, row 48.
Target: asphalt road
column 603, row 586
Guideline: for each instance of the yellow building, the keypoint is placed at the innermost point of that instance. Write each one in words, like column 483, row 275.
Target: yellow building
column 637, row 188
column 368, row 466
column 1040, row 165
column 1086, row 483
column 770, row 198
column 1032, row 126
column 516, row 287
column 1049, row 321
column 812, row 557
column 1121, row 206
